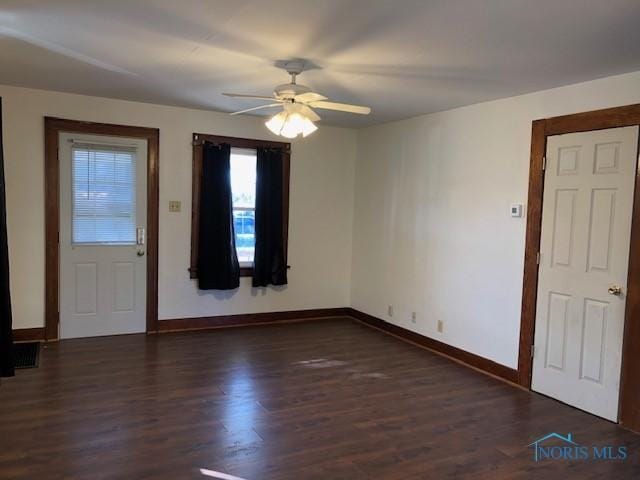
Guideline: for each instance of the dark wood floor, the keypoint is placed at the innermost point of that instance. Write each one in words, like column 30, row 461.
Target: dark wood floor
column 319, row 400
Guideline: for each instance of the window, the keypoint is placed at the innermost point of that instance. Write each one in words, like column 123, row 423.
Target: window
column 103, row 194
column 243, row 191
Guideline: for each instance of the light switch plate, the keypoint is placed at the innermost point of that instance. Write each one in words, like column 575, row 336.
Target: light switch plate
column 175, row 205
column 516, row 210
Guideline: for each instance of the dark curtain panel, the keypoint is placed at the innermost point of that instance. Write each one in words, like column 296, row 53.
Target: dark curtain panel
column 269, row 265
column 6, row 337
column 218, row 267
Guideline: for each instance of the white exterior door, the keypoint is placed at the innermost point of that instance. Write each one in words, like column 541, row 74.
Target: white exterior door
column 103, row 216
column 584, row 256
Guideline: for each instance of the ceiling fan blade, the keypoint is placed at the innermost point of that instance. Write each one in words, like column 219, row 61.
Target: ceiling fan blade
column 309, row 113
column 309, row 97
column 256, row 108
column 259, row 97
column 341, row 107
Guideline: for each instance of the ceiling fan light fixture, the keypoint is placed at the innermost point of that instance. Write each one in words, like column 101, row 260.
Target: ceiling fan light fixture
column 290, row 124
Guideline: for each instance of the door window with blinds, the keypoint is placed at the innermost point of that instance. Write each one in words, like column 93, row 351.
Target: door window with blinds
column 103, row 194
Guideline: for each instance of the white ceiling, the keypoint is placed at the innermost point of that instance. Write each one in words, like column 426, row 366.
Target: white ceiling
column 401, row 57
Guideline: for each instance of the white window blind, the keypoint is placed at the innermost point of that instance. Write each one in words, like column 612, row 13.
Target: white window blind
column 103, row 194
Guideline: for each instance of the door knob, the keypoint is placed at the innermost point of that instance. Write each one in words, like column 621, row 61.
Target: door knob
column 615, row 290
column 140, row 253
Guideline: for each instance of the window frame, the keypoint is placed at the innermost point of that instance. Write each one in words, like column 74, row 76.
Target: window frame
column 196, row 177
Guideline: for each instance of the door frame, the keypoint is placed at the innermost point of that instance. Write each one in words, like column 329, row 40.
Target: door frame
column 626, row 116
column 52, row 128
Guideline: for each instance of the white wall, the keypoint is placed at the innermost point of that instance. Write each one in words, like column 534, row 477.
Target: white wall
column 321, row 205
column 432, row 230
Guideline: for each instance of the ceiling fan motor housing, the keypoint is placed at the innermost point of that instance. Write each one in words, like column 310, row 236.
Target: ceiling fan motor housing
column 290, row 90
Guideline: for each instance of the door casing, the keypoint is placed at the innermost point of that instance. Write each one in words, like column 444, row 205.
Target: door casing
column 52, row 128
column 630, row 375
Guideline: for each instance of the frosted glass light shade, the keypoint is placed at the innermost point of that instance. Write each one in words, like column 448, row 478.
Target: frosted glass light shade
column 290, row 124
column 308, row 127
column 276, row 122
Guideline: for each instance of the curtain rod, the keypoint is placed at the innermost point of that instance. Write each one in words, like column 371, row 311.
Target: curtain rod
column 198, row 142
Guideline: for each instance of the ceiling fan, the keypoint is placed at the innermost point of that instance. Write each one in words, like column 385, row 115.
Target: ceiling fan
column 298, row 103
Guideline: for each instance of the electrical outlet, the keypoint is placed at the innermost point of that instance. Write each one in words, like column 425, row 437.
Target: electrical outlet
column 440, row 326
column 390, row 310
column 413, row 317
column 175, row 206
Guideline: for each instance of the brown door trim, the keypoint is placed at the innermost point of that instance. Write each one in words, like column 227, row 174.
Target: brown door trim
column 52, row 128
column 541, row 129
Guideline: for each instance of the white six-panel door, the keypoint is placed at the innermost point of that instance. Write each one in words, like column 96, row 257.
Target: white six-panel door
column 103, row 214
column 586, row 229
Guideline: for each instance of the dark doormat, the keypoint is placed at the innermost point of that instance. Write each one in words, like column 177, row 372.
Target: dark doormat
column 25, row 355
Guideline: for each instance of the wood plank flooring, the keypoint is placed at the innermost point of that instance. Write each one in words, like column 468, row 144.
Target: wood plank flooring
column 330, row 399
